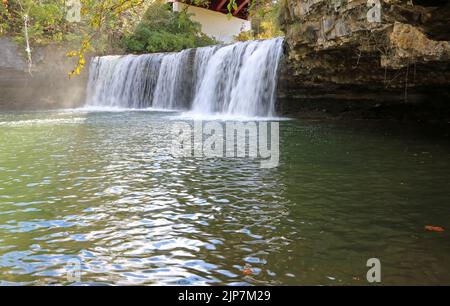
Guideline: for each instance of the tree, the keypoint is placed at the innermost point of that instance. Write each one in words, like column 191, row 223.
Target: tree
column 162, row 30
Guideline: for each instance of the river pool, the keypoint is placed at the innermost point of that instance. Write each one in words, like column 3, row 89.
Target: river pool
column 95, row 188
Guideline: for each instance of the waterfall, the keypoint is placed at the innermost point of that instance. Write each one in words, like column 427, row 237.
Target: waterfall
column 123, row 81
column 235, row 79
column 174, row 82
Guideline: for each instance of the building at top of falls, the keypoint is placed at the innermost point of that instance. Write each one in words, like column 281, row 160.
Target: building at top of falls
column 215, row 20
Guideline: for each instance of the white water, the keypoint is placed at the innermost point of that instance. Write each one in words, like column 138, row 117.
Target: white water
column 238, row 80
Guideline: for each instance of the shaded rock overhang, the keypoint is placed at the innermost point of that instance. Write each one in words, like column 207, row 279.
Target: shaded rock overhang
column 392, row 49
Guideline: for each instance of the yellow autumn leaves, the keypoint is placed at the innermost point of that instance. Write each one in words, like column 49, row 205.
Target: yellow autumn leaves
column 81, row 60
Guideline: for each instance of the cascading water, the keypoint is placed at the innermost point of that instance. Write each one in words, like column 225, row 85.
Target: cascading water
column 236, row 79
column 174, row 82
column 123, row 81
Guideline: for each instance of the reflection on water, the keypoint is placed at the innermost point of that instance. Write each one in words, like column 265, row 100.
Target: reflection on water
column 101, row 188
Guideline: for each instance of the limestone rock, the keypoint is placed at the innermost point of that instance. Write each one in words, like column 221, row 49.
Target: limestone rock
column 391, row 50
column 47, row 87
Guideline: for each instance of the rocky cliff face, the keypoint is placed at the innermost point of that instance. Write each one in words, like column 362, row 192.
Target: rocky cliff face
column 369, row 54
column 48, row 85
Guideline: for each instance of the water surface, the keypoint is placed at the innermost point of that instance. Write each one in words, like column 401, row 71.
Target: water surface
column 100, row 188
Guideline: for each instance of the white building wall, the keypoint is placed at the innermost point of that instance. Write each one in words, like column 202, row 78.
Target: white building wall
column 215, row 24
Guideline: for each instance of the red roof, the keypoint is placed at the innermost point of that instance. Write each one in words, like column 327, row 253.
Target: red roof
column 221, row 6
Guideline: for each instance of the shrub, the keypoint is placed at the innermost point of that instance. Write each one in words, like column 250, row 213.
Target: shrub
column 162, row 30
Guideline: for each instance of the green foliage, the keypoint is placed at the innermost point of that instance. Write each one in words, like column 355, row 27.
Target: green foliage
column 231, row 6
column 46, row 19
column 264, row 19
column 162, row 30
column 3, row 15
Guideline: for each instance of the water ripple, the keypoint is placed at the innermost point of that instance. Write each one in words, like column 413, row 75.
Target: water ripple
column 104, row 192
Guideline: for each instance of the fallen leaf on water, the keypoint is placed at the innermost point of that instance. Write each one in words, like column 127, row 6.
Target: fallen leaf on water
column 432, row 228
column 247, row 270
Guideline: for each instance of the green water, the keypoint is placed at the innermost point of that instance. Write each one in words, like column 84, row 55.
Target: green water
column 98, row 187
